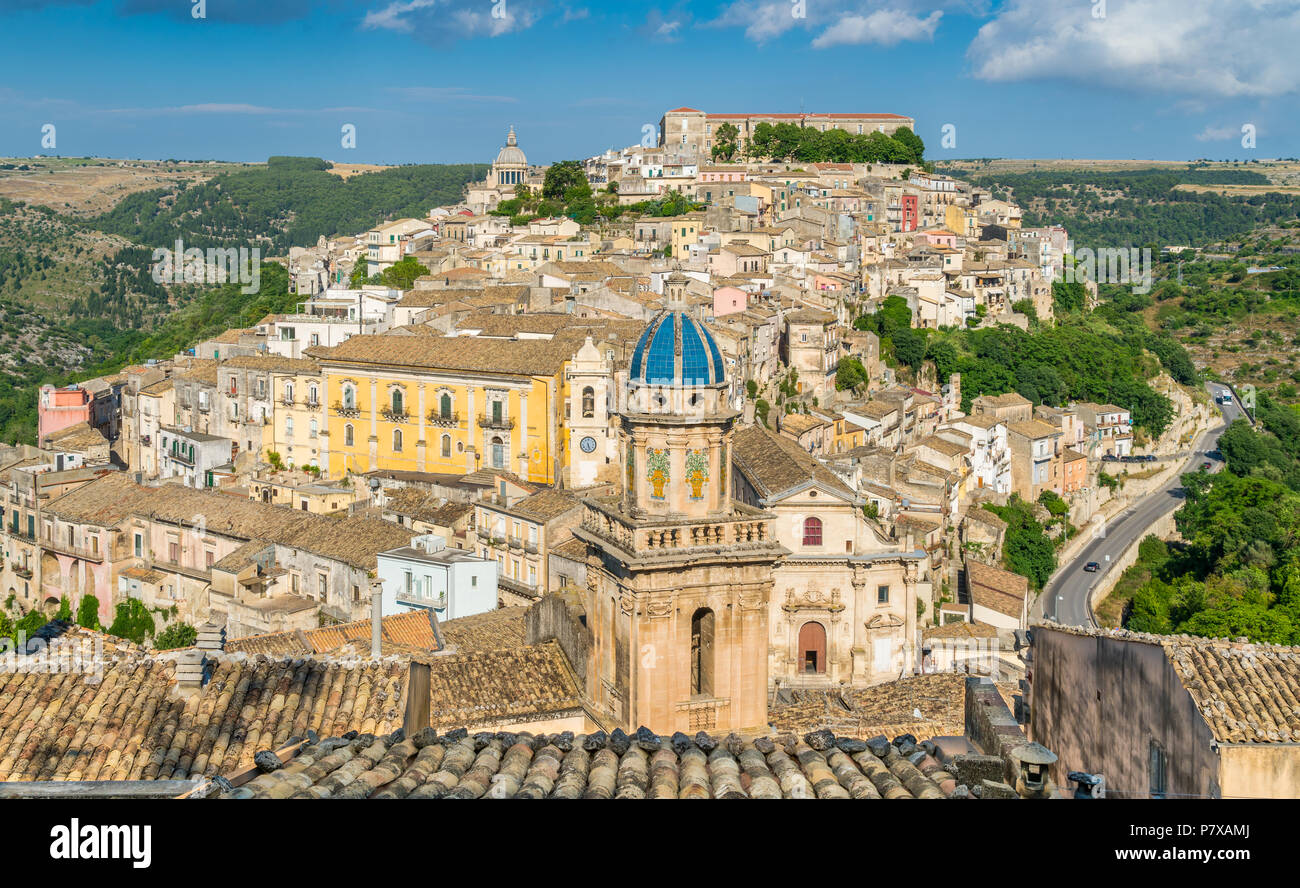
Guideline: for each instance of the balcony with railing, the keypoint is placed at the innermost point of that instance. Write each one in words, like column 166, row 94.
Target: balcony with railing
column 443, row 420
column 671, row 538
column 504, row 423
column 96, row 555
column 418, row 599
column 346, row 412
column 518, row 587
column 391, row 415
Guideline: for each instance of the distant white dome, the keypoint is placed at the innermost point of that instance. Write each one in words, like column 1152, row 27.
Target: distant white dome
column 511, row 155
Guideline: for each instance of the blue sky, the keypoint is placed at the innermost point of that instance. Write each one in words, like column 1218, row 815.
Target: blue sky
column 440, row 80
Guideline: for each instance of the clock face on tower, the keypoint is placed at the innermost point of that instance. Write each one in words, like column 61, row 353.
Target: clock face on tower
column 587, row 444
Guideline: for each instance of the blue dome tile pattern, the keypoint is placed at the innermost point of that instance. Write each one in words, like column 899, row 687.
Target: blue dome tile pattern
column 675, row 350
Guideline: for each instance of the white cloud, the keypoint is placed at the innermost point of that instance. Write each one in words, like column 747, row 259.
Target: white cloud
column 885, row 27
column 1218, row 133
column 665, row 28
column 1219, row 48
column 843, row 22
column 444, row 21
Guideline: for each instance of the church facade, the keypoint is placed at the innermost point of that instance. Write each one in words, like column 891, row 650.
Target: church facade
column 679, row 573
column 509, row 171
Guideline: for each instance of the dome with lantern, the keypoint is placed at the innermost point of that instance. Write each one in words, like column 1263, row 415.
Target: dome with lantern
column 675, row 349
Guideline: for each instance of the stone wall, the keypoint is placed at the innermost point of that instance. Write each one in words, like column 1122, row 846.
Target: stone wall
column 991, row 726
column 560, row 617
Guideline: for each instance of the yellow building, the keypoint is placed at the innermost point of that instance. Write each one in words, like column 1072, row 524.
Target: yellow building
column 686, row 231
column 297, row 412
column 962, row 220
column 301, row 491
column 444, row 404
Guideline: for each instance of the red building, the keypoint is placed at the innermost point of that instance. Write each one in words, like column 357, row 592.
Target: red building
column 911, row 212
column 60, row 408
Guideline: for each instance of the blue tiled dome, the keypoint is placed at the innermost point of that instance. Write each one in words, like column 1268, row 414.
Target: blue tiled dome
column 675, row 350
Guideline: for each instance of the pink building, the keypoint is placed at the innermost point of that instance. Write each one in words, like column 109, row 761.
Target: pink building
column 940, row 237
column 729, row 300
column 60, row 408
column 723, row 174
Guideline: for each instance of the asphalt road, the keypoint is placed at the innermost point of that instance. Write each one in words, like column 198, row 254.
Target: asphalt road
column 1066, row 598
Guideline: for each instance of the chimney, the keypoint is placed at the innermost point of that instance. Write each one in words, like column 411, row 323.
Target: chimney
column 189, row 671
column 211, row 638
column 376, row 618
column 1034, row 781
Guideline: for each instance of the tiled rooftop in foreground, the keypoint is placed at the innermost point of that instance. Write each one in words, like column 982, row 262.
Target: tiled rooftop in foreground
column 600, row 766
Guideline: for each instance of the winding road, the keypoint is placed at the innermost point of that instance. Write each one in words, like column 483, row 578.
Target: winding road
column 1067, row 596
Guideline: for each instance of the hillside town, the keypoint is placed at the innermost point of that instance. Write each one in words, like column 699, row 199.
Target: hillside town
column 644, row 476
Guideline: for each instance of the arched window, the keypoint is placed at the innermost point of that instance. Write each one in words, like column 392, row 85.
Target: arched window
column 812, row 648
column 349, row 396
column 397, row 440
column 588, row 402
column 444, row 406
column 347, row 435
column 288, row 392
column 446, row 445
column 498, row 453
column 702, row 653
column 397, row 401
column 812, row 531
column 312, row 397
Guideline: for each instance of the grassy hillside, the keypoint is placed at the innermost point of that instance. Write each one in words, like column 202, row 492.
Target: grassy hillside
column 292, row 201
column 77, row 297
column 1121, row 208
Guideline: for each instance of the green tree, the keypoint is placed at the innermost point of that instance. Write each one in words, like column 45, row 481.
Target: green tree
column 132, row 621
column 358, row 278
column 850, row 374
column 88, row 612
column 177, row 635
column 401, row 275
column 562, row 176
column 725, row 141
column 909, row 347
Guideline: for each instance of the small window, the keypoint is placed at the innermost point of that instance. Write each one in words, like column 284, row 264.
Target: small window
column 882, row 595
column 397, row 440
column 1159, row 771
column 812, row 531
column 347, row 436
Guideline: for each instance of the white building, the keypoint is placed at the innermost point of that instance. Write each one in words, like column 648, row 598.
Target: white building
column 192, row 457
column 990, row 451
column 426, row 574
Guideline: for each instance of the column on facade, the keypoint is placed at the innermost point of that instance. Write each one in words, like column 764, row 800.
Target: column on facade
column 472, row 436
column 421, row 444
column 523, row 435
column 374, row 424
